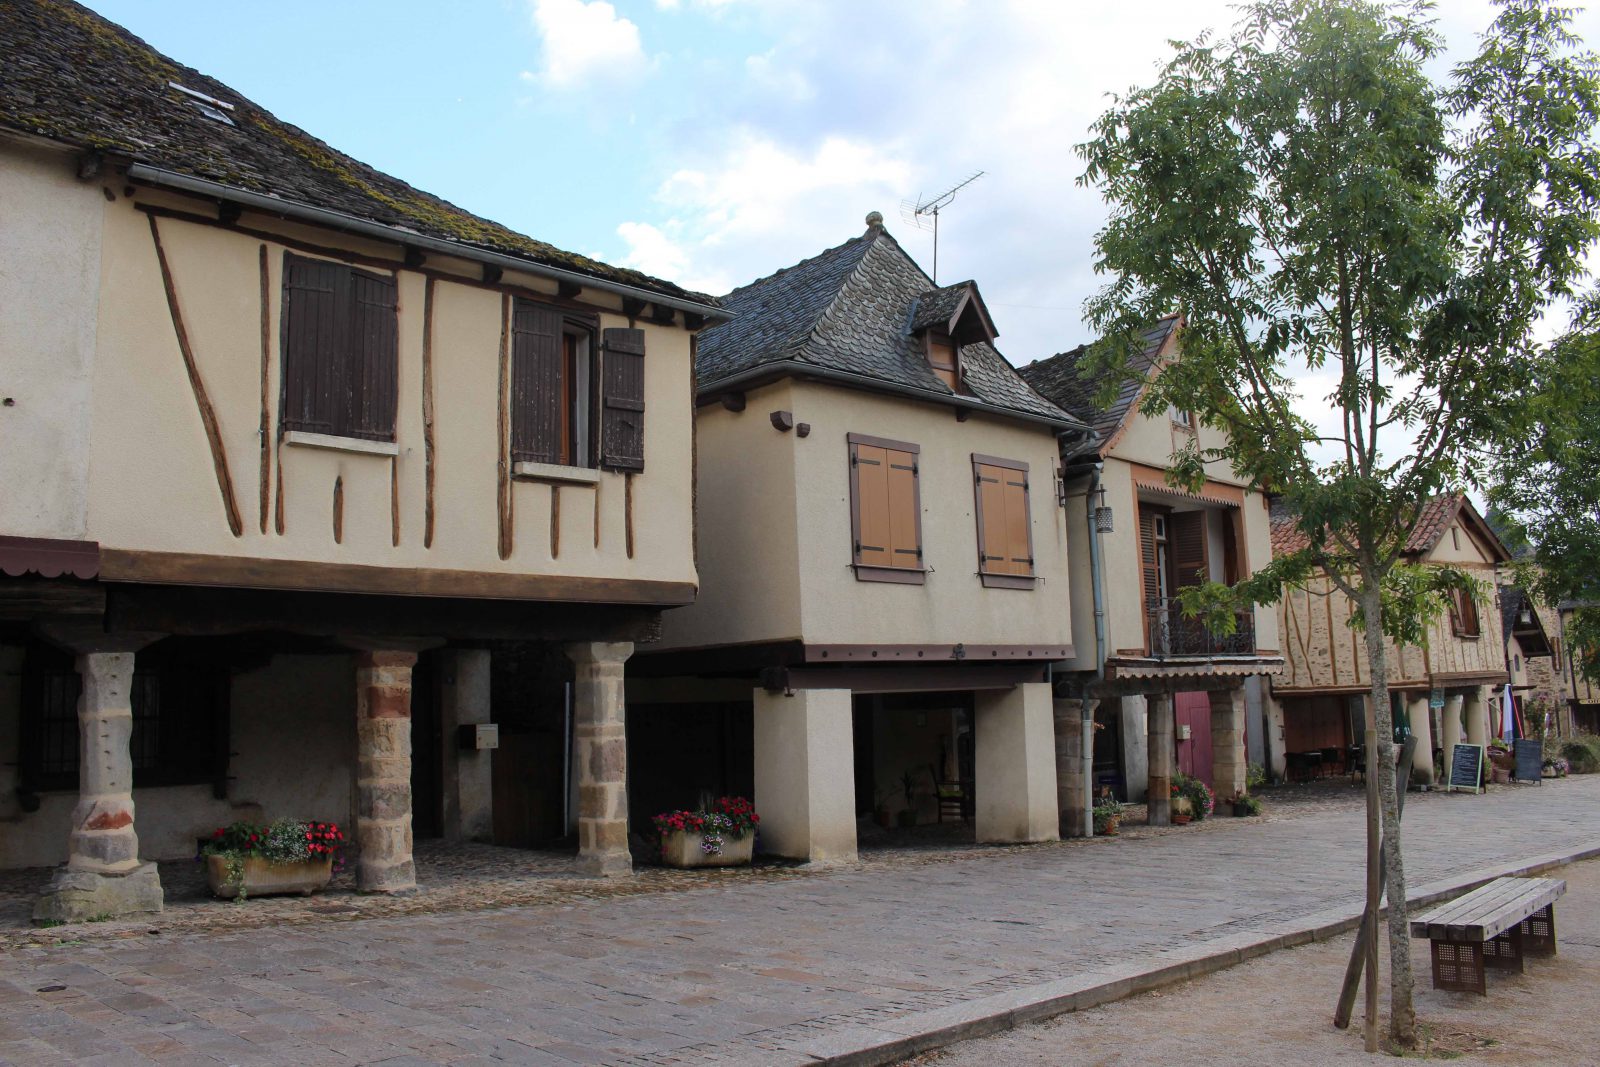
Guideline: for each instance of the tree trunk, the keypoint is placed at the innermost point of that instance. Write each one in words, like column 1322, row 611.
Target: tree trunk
column 1402, row 1010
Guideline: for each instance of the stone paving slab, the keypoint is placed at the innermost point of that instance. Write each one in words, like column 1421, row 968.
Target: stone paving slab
column 837, row 965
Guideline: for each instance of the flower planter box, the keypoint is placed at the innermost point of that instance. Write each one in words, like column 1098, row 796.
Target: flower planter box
column 681, row 848
column 264, row 878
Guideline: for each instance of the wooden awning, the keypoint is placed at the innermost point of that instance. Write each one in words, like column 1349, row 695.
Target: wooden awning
column 1154, row 480
column 49, row 557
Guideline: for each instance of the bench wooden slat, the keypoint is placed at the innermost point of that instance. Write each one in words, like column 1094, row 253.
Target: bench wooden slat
column 1489, row 910
column 1462, row 907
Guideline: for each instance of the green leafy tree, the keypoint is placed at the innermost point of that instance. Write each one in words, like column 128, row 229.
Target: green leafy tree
column 1313, row 202
column 1547, row 482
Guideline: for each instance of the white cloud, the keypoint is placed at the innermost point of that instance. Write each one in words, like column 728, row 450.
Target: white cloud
column 585, row 42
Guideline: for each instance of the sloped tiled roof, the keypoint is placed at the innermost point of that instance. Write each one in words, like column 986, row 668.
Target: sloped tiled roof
column 69, row 75
column 934, row 307
column 1057, row 377
column 1437, row 516
column 850, row 309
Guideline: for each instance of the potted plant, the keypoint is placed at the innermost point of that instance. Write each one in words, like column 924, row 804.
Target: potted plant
column 287, row 856
column 1182, row 809
column 880, row 809
column 1245, row 805
column 723, row 836
column 1107, row 816
column 907, row 816
column 1202, row 801
column 1554, row 767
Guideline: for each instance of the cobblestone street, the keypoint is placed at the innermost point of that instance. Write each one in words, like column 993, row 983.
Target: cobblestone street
column 772, row 966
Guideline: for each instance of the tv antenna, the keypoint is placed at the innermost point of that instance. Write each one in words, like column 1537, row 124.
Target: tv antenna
column 918, row 213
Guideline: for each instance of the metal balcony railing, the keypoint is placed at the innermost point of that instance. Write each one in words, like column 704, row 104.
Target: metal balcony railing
column 1174, row 634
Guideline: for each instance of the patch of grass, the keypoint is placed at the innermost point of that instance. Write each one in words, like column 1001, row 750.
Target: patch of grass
column 48, row 923
column 103, row 917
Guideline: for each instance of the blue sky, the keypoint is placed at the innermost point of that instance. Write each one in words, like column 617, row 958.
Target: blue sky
column 715, row 141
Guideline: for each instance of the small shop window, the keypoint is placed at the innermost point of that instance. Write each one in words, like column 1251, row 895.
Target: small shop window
column 180, row 722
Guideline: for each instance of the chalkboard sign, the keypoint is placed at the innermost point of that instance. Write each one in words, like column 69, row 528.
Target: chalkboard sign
column 1466, row 767
column 1530, row 761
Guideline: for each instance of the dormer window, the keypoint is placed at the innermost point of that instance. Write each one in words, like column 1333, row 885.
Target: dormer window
column 945, row 359
column 945, row 320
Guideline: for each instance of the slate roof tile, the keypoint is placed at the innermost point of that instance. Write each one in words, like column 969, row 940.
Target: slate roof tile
column 71, row 76
column 1061, row 379
column 850, row 309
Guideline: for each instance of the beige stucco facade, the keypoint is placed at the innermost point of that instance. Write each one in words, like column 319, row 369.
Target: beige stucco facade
column 106, row 430
column 775, row 528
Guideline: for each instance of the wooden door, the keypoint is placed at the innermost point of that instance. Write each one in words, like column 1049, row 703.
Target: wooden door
column 1194, row 755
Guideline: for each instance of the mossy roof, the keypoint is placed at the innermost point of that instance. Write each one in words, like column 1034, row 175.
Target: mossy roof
column 69, row 75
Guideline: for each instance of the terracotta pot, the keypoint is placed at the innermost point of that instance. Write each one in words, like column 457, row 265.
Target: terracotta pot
column 1111, row 827
column 264, row 878
column 680, row 848
column 1181, row 820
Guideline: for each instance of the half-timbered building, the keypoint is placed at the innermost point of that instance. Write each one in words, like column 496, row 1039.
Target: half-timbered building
column 1153, row 691
column 308, row 480
column 1444, row 691
column 883, row 560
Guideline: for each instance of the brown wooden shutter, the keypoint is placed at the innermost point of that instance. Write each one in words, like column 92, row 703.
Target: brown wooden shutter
column 886, row 506
column 1005, row 526
column 905, row 526
column 1186, row 532
column 373, row 349
column 944, row 361
column 340, row 349
column 622, row 400
column 874, row 538
column 536, row 387
column 1148, row 560
column 312, row 331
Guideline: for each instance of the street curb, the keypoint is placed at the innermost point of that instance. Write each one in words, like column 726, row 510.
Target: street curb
column 891, row 1040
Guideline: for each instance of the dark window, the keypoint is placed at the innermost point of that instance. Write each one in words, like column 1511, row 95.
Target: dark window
column 340, row 354
column 1464, row 615
column 622, row 400
column 180, row 721
column 885, row 510
column 1005, row 527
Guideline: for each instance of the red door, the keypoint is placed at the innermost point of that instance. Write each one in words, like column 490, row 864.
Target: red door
column 1194, row 752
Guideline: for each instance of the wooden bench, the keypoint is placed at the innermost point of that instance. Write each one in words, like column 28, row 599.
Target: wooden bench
column 1492, row 926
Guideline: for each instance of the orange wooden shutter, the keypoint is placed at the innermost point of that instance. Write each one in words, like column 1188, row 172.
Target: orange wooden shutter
column 874, row 540
column 905, row 529
column 1019, row 531
column 1005, row 536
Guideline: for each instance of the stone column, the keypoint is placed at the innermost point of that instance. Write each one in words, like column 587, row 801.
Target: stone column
column 1135, row 746
column 1450, row 726
column 1422, row 730
column 1477, row 715
column 1228, row 765
column 1074, row 765
column 383, row 772
column 1159, row 758
column 805, row 774
column 468, row 781
column 104, row 875
column 600, row 756
column 1015, row 767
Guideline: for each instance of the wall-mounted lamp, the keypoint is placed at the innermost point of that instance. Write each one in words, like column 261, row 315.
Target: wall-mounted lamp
column 1102, row 514
column 802, row 429
column 1526, row 617
column 782, row 421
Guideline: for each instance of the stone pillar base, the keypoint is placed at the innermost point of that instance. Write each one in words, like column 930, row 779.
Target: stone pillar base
column 805, row 774
column 78, row 896
column 1015, row 767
